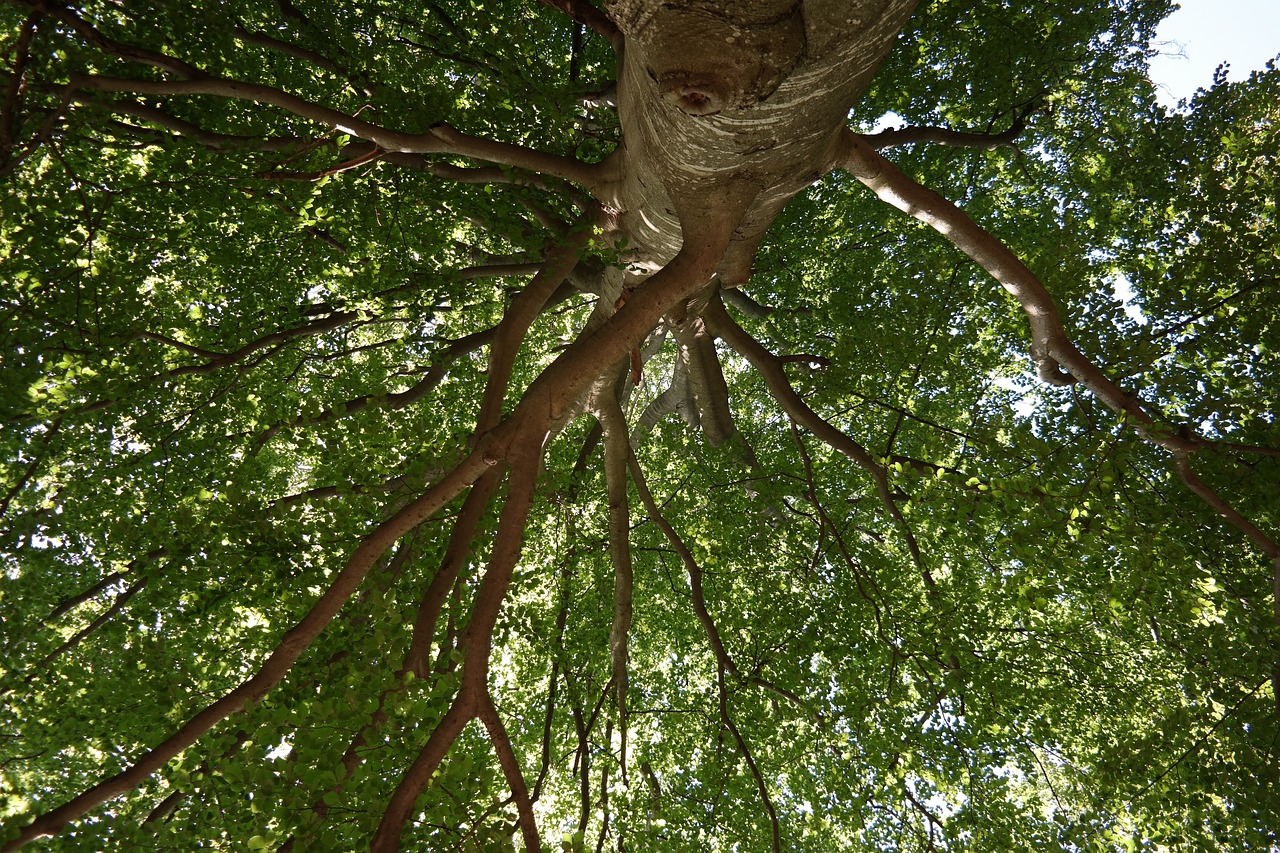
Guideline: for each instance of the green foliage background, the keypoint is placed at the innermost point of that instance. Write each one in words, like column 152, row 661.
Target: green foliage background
column 207, row 398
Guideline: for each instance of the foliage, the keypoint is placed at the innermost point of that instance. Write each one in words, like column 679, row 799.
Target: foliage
column 226, row 363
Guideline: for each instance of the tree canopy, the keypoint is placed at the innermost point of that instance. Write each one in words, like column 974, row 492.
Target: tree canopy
column 480, row 425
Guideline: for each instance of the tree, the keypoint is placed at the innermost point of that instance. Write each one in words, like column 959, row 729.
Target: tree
column 416, row 439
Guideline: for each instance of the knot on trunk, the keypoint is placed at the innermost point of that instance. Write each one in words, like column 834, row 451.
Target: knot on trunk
column 695, row 94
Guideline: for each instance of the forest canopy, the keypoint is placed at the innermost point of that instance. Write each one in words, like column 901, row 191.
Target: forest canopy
column 666, row 425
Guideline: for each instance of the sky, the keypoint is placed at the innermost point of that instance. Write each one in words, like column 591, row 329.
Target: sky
column 1245, row 33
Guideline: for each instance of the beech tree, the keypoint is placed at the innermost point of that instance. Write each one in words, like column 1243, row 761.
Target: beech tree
column 819, row 425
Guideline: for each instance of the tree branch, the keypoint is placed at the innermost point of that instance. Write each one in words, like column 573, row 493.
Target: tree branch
column 1058, row 361
column 488, row 715
column 291, row 50
column 524, row 308
column 775, row 377
column 554, row 394
column 11, row 105
column 692, row 569
column 553, row 682
column 93, row 36
column 117, row 604
column 399, row 806
column 278, row 663
column 1050, row 347
column 724, row 663
column 893, row 186
column 477, row 643
column 32, row 467
column 705, row 379
column 456, row 554
column 745, row 750
column 865, row 581
column 583, row 12
column 617, row 449
column 440, row 139
column 740, row 301
column 391, row 402
column 185, row 129
column 943, row 136
column 674, row 398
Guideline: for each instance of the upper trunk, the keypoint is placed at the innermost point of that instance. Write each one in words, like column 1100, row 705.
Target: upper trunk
column 742, row 100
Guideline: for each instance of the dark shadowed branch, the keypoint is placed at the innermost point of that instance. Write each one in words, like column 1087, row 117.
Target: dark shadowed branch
column 940, row 136
column 583, row 12
column 617, row 449
column 771, row 370
column 724, row 663
column 953, row 138
column 192, row 132
column 441, row 139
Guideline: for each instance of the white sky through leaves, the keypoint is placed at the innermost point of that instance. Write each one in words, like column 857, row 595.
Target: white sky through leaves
column 1202, row 34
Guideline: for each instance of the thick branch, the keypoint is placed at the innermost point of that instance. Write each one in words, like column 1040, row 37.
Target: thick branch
column 277, row 664
column 504, row 153
column 554, row 394
column 1051, row 350
column 893, row 186
column 488, row 715
column 739, row 300
column 396, row 814
column 477, row 644
column 456, row 555
column 675, row 398
column 517, row 319
column 1182, row 464
column 507, row 547
column 1050, row 347
column 697, row 350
